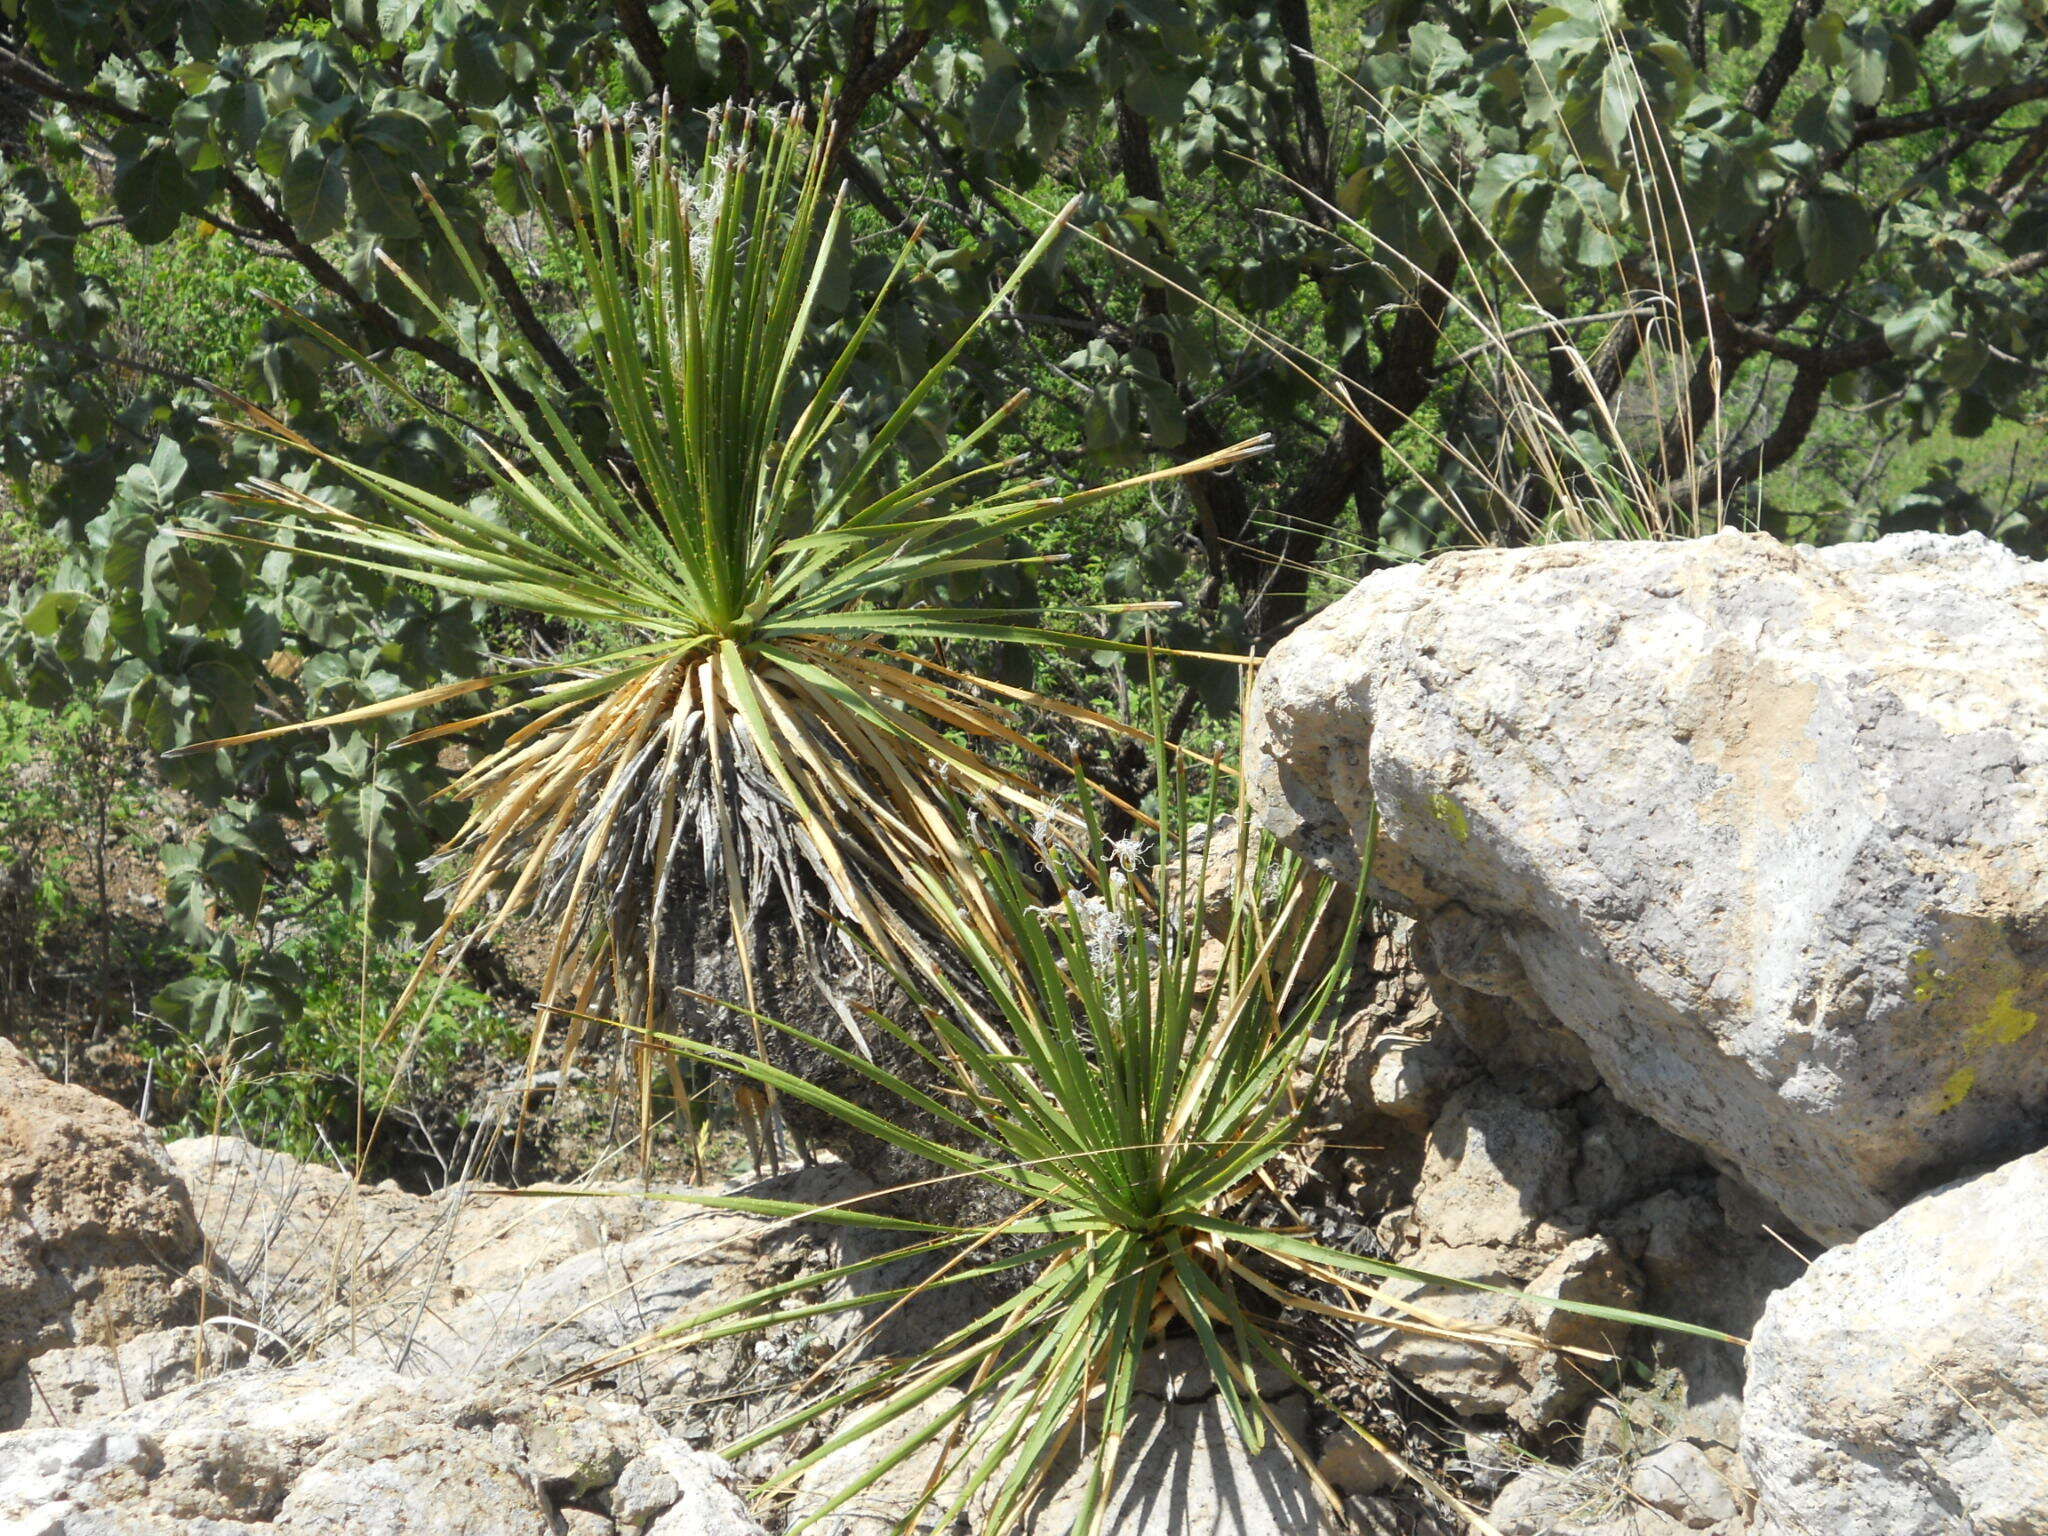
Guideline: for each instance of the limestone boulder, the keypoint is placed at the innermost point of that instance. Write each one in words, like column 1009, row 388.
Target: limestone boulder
column 342, row 1447
column 1762, row 826
column 98, row 1242
column 483, row 1282
column 1900, row 1388
column 615, row 1297
column 315, row 1253
column 90, row 1381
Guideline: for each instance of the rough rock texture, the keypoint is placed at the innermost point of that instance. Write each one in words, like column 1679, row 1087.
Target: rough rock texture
column 1526, row 1381
column 90, row 1381
column 97, row 1239
column 1575, row 1197
column 1599, row 1502
column 301, row 1237
column 611, row 1297
column 348, row 1448
column 1901, row 1387
column 1680, row 1481
column 1762, row 826
column 1528, row 1173
column 330, row 1264
column 477, row 1282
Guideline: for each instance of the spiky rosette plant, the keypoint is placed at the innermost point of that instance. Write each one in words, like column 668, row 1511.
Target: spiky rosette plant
column 1122, row 1080
column 765, row 728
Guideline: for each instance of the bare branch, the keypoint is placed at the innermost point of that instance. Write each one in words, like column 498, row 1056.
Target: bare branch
column 1784, row 60
column 644, row 38
column 1992, row 104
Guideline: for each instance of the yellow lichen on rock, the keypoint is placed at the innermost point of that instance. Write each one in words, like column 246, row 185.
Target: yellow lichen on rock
column 2007, row 1023
column 1451, row 814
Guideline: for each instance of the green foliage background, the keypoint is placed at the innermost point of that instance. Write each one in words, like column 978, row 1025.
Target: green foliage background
column 1861, row 191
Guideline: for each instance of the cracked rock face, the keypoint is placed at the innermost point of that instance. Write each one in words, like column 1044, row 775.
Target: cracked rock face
column 1498, row 1175
column 1763, row 827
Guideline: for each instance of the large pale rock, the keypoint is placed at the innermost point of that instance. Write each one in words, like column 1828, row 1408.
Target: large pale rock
column 1762, row 826
column 608, row 1302
column 476, row 1281
column 316, row 1253
column 349, row 1448
column 1901, row 1387
column 333, row 1265
column 90, row 1381
column 97, row 1238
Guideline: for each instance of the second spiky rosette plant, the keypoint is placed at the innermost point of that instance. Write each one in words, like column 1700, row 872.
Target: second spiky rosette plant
column 762, row 727
column 1117, row 1070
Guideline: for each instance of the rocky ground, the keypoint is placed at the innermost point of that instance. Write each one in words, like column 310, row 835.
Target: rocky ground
column 1713, row 996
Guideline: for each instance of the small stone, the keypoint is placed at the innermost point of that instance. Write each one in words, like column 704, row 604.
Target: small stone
column 1611, row 1430
column 1524, row 1504
column 1490, row 1460
column 1411, row 1078
column 1493, row 1169
column 573, row 1454
column 585, row 1522
column 710, row 1504
column 1388, row 1517
column 644, row 1490
column 1681, row 1482
column 1352, row 1464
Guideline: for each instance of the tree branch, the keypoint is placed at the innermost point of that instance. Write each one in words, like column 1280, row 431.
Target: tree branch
column 644, row 38
column 1222, row 510
column 14, row 67
column 1992, row 104
column 538, row 336
column 264, row 216
column 259, row 216
column 1783, row 63
column 1390, row 394
column 1312, row 122
column 1723, row 479
column 98, row 359
column 1927, row 18
column 869, row 73
column 1718, row 482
